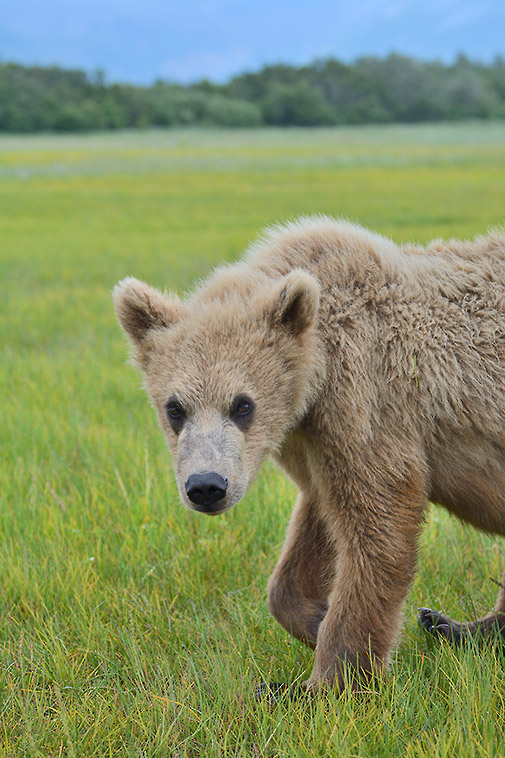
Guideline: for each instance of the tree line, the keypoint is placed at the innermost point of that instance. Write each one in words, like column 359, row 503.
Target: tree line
column 326, row 92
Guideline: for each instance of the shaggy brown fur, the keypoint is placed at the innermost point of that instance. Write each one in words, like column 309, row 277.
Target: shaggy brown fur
column 375, row 376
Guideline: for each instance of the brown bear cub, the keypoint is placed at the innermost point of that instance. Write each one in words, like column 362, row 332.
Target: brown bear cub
column 375, row 376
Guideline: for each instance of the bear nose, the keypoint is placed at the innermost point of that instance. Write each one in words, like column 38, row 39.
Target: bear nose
column 206, row 489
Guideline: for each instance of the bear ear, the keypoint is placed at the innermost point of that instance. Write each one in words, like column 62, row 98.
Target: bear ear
column 296, row 302
column 140, row 308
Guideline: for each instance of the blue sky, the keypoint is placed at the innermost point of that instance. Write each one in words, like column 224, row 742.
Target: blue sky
column 139, row 41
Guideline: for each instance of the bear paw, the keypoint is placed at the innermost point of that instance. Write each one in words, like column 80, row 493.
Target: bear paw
column 439, row 625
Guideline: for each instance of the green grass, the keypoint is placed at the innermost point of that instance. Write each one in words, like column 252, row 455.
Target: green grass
column 129, row 626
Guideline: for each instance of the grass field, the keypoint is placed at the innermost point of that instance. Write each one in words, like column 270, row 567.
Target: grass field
column 130, row 627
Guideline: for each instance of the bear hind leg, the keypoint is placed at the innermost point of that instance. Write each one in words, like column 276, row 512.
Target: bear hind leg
column 491, row 626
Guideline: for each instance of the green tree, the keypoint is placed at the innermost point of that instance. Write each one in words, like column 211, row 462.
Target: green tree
column 296, row 105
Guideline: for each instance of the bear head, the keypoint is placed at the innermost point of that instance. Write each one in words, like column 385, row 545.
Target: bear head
column 229, row 374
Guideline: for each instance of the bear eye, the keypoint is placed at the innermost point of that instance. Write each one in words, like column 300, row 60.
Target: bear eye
column 244, row 408
column 175, row 413
column 242, row 411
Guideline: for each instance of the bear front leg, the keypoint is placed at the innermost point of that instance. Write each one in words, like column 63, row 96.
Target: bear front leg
column 299, row 587
column 375, row 567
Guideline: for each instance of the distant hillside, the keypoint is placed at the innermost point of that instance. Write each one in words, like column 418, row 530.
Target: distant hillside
column 327, row 92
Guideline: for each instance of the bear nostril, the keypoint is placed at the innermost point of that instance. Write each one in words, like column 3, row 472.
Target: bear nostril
column 206, row 489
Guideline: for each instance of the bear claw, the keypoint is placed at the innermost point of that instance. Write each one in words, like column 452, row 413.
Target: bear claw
column 436, row 624
column 427, row 618
column 430, row 620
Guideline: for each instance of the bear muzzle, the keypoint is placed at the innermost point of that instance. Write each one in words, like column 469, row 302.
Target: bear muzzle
column 207, row 491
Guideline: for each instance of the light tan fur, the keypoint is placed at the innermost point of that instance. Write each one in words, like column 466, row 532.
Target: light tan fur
column 377, row 375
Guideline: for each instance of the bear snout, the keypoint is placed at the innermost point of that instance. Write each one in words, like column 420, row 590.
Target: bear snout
column 206, row 490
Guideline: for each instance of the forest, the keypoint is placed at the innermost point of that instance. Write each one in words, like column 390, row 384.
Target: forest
column 326, row 92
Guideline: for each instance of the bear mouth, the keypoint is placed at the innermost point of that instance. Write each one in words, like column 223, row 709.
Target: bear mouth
column 214, row 509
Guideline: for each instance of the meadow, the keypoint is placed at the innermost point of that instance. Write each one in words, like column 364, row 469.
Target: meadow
column 128, row 626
